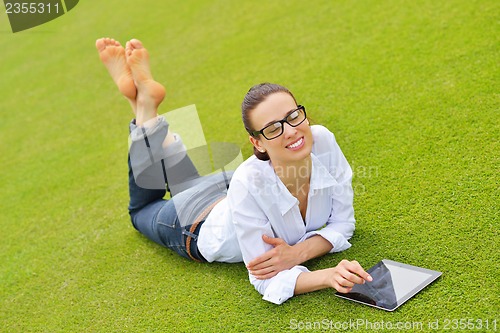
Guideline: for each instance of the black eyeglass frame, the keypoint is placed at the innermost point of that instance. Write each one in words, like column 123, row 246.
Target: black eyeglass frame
column 282, row 121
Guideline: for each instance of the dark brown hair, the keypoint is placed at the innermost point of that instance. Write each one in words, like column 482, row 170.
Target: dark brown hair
column 256, row 95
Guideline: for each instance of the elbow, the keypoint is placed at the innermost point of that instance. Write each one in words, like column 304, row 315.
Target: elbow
column 259, row 285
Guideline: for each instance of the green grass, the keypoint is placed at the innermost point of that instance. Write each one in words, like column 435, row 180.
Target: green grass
column 410, row 88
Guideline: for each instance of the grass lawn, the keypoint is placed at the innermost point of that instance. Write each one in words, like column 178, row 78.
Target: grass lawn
column 410, row 88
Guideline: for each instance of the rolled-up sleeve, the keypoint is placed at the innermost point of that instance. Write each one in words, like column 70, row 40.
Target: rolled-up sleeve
column 250, row 224
column 340, row 225
column 280, row 287
column 339, row 241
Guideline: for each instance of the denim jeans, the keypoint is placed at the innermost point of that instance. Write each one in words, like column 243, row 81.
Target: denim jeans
column 168, row 222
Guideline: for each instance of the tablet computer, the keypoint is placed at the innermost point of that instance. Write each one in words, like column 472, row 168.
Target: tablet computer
column 393, row 284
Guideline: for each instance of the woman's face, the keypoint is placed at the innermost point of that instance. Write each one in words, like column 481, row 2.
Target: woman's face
column 294, row 144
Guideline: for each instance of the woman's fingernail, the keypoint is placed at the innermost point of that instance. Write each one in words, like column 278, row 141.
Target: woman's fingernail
column 369, row 278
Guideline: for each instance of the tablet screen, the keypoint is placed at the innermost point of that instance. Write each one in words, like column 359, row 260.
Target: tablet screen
column 393, row 284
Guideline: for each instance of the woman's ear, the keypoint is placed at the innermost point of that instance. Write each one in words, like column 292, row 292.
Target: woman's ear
column 256, row 143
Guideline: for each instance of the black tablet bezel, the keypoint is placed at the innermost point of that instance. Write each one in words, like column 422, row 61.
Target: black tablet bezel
column 433, row 276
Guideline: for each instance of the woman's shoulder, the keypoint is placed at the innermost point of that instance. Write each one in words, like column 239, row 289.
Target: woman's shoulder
column 324, row 139
column 321, row 132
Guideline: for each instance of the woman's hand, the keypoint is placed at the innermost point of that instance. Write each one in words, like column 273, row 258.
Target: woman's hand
column 281, row 257
column 342, row 278
column 346, row 274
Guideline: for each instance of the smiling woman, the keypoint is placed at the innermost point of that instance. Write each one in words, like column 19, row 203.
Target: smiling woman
column 289, row 203
column 281, row 144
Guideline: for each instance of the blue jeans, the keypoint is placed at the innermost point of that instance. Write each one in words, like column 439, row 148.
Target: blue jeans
column 169, row 222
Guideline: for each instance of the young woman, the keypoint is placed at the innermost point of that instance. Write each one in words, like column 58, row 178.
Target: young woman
column 289, row 203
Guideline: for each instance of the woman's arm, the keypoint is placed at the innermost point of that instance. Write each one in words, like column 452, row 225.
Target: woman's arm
column 284, row 256
column 339, row 226
column 341, row 222
column 342, row 278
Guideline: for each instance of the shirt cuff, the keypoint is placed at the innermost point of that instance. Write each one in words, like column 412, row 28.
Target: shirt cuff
column 282, row 286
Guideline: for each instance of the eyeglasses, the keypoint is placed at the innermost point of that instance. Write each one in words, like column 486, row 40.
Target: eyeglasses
column 273, row 130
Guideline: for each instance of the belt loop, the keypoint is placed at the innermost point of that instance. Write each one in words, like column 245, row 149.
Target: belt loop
column 197, row 221
column 190, row 234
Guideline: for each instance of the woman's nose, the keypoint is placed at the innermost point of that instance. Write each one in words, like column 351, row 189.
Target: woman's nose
column 289, row 130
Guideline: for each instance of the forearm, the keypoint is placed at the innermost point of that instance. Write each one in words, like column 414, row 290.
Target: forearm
column 312, row 247
column 312, row 281
column 284, row 256
column 342, row 278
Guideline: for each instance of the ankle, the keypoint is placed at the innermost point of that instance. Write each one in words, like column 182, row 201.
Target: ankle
column 143, row 120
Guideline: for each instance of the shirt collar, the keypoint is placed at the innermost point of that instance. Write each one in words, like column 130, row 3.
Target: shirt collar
column 320, row 176
column 320, row 179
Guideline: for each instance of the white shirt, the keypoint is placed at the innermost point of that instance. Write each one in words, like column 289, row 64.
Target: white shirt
column 258, row 203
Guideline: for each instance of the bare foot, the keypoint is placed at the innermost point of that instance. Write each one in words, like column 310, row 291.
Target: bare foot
column 149, row 92
column 112, row 55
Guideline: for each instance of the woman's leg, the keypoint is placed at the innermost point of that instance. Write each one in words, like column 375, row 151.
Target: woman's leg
column 129, row 69
column 150, row 93
column 112, row 55
column 119, row 62
column 154, row 150
column 157, row 156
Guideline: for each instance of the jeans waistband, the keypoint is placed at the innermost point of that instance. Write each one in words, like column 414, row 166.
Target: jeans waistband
column 192, row 243
column 192, row 235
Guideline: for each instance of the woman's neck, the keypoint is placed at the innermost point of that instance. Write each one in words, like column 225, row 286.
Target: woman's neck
column 295, row 176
